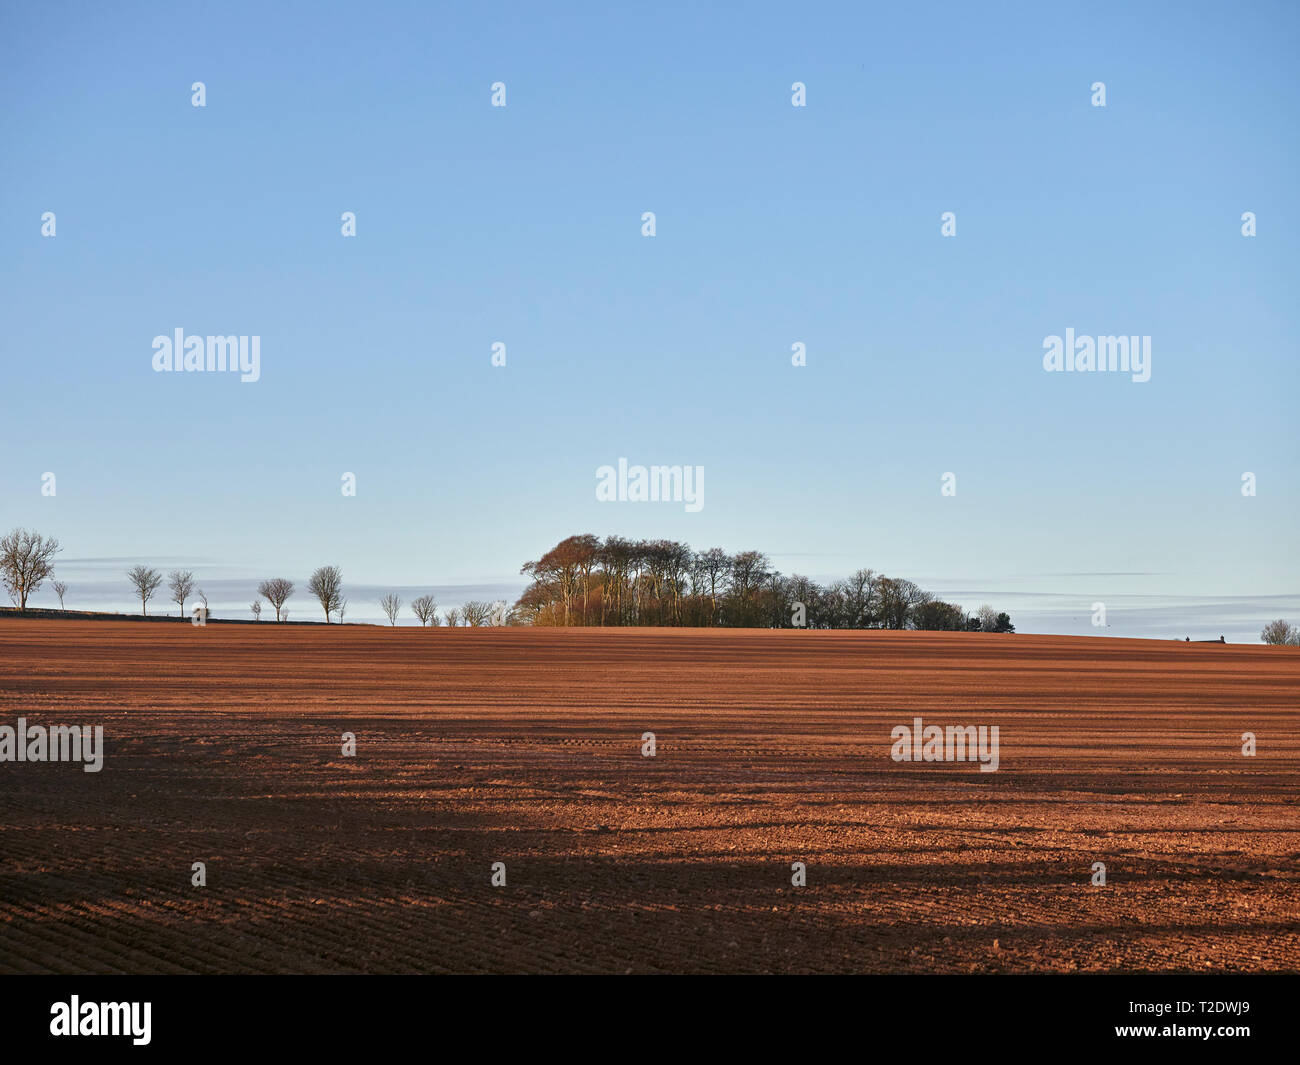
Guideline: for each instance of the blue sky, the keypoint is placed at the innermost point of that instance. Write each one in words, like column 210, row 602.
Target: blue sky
column 775, row 224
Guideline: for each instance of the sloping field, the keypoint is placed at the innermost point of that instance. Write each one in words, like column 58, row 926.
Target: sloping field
column 524, row 747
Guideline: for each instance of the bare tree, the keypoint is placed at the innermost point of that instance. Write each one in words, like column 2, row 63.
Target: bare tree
column 277, row 591
column 988, row 618
column 453, row 618
column 426, row 609
column 26, row 560
column 391, row 604
column 343, row 609
column 747, row 575
column 715, row 563
column 1280, row 632
column 256, row 608
column 861, row 595
column 584, row 553
column 60, row 589
column 181, row 584
column 899, row 600
column 476, row 613
column 146, row 582
column 326, row 584
column 203, row 598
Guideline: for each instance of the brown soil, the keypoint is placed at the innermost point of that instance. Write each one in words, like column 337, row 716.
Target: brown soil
column 524, row 747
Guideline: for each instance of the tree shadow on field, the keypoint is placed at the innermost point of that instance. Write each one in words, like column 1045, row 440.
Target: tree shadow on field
column 409, row 898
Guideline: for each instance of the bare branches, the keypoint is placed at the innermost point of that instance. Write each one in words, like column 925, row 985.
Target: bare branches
column 477, row 613
column 391, row 604
column 425, row 608
column 326, row 584
column 277, row 591
column 145, row 581
column 181, row 585
column 1280, row 633
column 26, row 560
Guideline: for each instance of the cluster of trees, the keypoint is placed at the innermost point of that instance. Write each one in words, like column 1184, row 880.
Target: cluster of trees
column 584, row 580
column 1281, row 632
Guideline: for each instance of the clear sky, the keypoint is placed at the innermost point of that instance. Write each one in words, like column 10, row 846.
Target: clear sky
column 775, row 224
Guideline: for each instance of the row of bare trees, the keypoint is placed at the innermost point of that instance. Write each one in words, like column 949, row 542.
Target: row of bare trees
column 146, row 581
column 326, row 585
column 27, row 561
column 474, row 613
column 584, row 580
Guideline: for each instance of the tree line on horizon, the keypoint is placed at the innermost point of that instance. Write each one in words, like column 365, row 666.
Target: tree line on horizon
column 584, row 580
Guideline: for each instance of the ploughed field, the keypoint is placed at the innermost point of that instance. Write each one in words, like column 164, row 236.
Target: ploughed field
column 525, row 747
